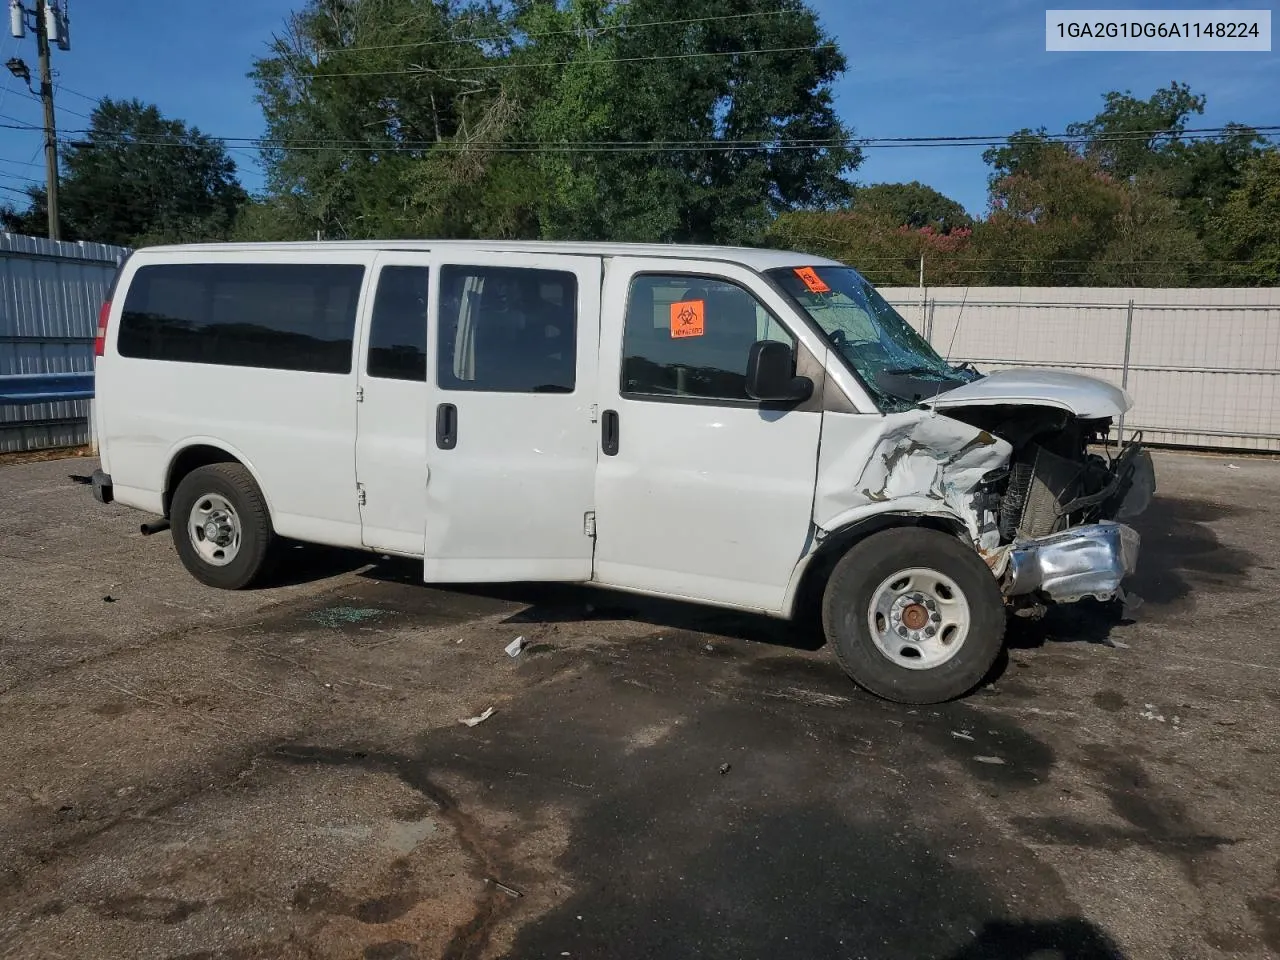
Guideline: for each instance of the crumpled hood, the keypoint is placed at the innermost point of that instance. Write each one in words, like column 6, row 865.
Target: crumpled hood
column 1086, row 397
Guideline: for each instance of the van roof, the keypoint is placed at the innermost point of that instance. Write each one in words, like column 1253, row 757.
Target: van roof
column 755, row 258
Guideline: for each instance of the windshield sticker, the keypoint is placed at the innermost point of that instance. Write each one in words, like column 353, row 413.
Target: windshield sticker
column 812, row 280
column 688, row 318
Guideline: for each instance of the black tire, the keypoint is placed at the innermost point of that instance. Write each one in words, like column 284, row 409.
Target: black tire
column 236, row 485
column 846, row 609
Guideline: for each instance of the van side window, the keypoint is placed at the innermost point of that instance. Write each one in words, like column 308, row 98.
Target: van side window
column 281, row 316
column 507, row 329
column 691, row 337
column 398, row 328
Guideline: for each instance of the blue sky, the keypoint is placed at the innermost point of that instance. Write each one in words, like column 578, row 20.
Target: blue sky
column 916, row 68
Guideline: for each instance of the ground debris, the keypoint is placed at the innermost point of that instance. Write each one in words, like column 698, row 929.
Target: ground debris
column 514, row 647
column 473, row 721
column 509, row 891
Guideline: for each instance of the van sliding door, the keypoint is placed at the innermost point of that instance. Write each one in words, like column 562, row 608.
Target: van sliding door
column 391, row 437
column 511, row 446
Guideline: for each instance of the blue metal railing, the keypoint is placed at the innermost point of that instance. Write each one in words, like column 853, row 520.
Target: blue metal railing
column 19, row 388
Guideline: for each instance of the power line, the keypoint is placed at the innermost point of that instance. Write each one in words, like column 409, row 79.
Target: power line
column 606, row 28
column 18, row 124
column 649, row 146
column 568, row 63
column 76, row 93
column 74, row 113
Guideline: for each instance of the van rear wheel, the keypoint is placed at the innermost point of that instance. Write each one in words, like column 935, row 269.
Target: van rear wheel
column 914, row 615
column 221, row 526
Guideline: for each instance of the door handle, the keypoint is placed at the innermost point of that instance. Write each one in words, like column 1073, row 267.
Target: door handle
column 446, row 426
column 609, row 433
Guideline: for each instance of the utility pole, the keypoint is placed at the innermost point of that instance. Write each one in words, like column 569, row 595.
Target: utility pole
column 51, row 27
column 922, row 321
column 50, row 129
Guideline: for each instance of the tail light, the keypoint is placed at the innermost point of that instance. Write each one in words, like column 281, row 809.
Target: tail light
column 100, row 341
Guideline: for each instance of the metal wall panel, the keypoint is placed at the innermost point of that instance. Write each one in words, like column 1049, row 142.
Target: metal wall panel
column 50, row 293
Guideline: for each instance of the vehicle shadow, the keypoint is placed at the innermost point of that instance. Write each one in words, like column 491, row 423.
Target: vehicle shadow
column 299, row 563
column 547, row 603
column 1070, row 939
column 1180, row 551
column 1086, row 621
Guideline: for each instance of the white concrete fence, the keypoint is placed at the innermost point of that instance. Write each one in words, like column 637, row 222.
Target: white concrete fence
column 1202, row 365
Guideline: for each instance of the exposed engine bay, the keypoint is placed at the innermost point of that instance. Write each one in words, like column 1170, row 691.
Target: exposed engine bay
column 1062, row 473
column 1023, row 459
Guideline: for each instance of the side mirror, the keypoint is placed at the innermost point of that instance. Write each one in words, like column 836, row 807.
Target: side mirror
column 771, row 373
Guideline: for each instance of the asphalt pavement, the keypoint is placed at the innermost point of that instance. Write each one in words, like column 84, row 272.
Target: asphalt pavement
column 286, row 772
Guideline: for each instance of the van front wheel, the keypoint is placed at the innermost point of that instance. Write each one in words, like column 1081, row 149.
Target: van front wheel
column 914, row 615
column 221, row 526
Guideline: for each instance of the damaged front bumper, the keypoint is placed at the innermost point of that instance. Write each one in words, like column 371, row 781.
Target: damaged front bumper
column 1086, row 561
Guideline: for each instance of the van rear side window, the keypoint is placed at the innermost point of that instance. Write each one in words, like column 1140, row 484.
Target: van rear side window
column 282, row 316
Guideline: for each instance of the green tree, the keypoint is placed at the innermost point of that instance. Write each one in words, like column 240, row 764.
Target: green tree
column 1130, row 137
column 1022, row 151
column 885, row 251
column 752, row 134
column 270, row 219
column 1247, row 229
column 551, row 118
column 137, row 178
column 380, row 123
column 1066, row 221
column 1145, row 139
column 912, row 205
column 1141, row 206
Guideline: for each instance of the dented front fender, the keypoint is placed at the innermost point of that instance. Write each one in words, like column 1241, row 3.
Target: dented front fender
column 918, row 461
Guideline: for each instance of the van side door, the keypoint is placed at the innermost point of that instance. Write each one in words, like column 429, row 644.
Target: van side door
column 701, row 492
column 512, row 446
column 391, row 404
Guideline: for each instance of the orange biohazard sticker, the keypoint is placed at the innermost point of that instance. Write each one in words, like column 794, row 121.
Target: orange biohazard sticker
column 688, row 318
column 812, row 280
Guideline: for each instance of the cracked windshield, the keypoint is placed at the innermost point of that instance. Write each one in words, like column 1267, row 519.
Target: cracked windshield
column 872, row 338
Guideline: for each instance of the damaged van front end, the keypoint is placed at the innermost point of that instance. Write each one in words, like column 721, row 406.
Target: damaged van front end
column 1060, row 502
column 1031, row 480
column 1019, row 463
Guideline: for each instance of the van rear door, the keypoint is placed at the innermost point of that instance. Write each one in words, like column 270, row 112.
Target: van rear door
column 511, row 450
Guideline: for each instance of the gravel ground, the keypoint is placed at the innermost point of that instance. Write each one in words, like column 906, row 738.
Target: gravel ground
column 282, row 772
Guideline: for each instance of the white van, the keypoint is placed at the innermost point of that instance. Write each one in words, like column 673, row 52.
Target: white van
column 753, row 429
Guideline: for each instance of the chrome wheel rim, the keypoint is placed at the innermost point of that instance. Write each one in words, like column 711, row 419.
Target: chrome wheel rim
column 214, row 528
column 919, row 618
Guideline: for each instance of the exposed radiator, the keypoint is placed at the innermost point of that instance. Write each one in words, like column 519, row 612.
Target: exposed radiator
column 1038, row 486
